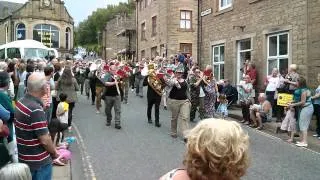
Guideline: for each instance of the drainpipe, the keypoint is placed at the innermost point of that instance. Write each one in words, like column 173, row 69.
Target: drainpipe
column 199, row 33
column 137, row 30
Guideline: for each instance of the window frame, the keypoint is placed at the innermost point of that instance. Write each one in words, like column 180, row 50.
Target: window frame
column 52, row 28
column 219, row 63
column 226, row 6
column 20, row 29
column 154, row 25
column 278, row 57
column 143, row 31
column 68, row 38
column 185, row 20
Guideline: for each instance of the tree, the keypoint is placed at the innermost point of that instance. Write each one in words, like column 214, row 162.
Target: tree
column 86, row 34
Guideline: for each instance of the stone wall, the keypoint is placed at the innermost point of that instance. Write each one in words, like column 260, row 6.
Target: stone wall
column 169, row 36
column 313, row 41
column 255, row 19
column 115, row 40
column 32, row 13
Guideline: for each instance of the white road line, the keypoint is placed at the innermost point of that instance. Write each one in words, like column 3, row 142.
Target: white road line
column 84, row 155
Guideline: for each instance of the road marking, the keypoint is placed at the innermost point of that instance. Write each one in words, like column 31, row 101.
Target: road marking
column 84, row 155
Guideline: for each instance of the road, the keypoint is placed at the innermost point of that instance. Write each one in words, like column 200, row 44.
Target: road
column 140, row 151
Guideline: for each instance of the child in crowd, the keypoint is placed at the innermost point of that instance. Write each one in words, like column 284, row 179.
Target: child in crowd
column 62, row 116
column 289, row 123
column 223, row 106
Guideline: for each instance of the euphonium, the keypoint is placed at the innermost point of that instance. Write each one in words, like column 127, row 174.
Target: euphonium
column 153, row 80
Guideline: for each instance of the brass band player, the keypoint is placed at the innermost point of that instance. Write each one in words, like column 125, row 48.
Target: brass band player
column 154, row 93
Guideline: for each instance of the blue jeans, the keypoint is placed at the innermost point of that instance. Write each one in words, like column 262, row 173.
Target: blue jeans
column 44, row 173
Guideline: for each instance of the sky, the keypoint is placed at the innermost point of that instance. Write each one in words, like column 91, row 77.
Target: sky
column 81, row 9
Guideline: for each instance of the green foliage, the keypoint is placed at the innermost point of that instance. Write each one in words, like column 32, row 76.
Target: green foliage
column 88, row 31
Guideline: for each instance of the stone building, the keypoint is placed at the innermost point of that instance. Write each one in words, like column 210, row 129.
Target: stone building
column 47, row 21
column 166, row 27
column 271, row 33
column 119, row 38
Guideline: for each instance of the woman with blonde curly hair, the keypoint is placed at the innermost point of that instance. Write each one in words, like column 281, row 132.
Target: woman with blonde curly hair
column 216, row 150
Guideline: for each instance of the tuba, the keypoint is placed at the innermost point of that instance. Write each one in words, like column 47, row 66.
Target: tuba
column 154, row 80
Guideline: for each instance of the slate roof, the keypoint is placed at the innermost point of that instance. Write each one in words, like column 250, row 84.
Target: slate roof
column 11, row 6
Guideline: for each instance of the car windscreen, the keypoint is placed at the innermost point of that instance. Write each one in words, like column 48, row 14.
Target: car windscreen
column 35, row 53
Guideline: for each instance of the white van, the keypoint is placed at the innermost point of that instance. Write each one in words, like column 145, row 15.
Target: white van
column 24, row 49
column 53, row 53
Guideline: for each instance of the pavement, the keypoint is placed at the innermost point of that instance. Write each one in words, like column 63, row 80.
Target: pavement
column 140, row 151
column 272, row 128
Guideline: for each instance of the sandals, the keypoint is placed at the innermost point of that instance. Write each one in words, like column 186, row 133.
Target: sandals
column 58, row 162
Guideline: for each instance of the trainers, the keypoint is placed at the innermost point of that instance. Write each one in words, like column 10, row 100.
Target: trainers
column 108, row 124
column 117, row 126
column 70, row 129
column 315, row 135
column 300, row 144
column 98, row 112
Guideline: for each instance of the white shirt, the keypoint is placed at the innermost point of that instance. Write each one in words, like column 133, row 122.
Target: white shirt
column 273, row 83
column 64, row 117
column 202, row 94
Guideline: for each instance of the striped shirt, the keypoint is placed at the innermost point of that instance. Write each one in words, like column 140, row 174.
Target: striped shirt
column 30, row 123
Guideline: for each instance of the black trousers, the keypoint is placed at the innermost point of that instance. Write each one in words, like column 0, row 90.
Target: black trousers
column 71, row 107
column 246, row 112
column 54, row 108
column 317, row 113
column 93, row 91
column 154, row 101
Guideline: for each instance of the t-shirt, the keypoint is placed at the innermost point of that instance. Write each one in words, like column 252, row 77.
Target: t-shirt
column 273, row 83
column 30, row 124
column 63, row 107
column 317, row 101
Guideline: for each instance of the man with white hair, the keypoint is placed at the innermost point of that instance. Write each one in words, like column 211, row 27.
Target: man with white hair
column 3, row 68
column 35, row 146
column 261, row 113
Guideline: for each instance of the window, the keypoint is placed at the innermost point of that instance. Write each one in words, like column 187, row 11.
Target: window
column 278, row 52
column 47, row 34
column 21, row 32
column 154, row 25
column 154, row 51
column 2, row 54
column 6, row 33
column 68, row 38
column 186, row 48
column 223, row 4
column 143, row 54
column 162, row 51
column 140, row 5
column 149, row 2
column 13, row 53
column 143, row 31
column 218, row 61
column 244, row 53
column 185, row 19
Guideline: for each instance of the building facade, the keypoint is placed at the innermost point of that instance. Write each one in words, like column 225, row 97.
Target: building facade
column 119, row 38
column 47, row 21
column 166, row 27
column 271, row 33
